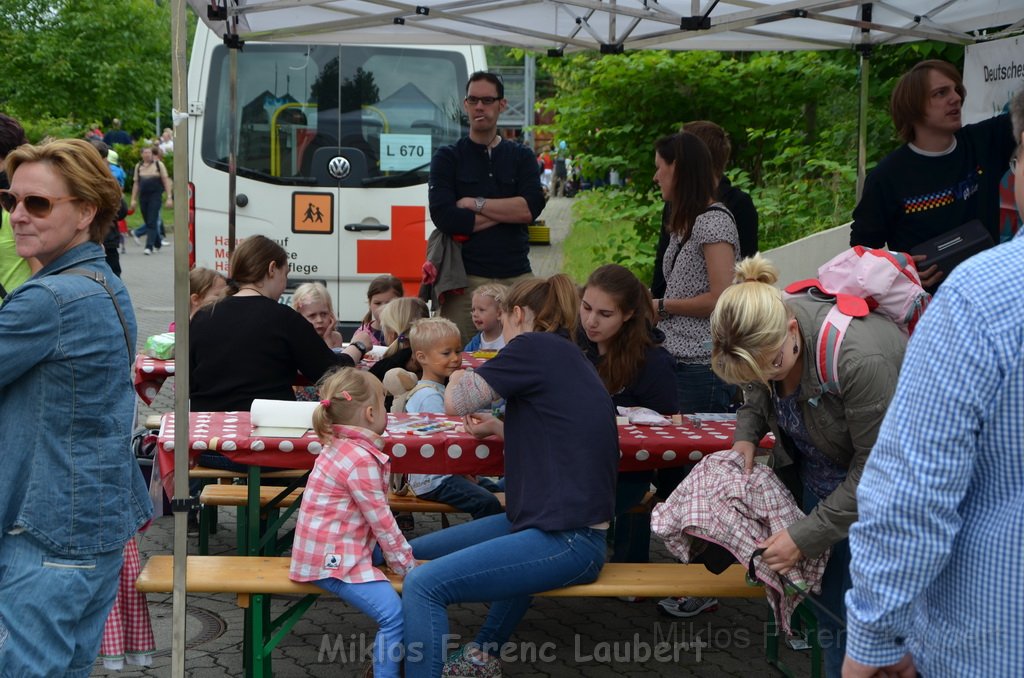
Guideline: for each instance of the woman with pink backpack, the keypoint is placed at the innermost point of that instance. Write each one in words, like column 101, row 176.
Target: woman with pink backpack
column 770, row 345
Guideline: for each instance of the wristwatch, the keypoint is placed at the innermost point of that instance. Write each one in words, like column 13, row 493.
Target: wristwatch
column 363, row 348
column 662, row 313
column 480, row 202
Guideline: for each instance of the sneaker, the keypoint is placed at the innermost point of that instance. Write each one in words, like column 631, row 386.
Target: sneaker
column 687, row 607
column 135, row 238
column 460, row 664
column 165, row 242
column 147, row 251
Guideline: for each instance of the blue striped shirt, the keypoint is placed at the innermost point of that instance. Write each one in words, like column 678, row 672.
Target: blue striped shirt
column 938, row 551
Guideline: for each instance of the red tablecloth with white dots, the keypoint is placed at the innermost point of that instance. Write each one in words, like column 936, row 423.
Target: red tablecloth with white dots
column 149, row 376
column 435, row 444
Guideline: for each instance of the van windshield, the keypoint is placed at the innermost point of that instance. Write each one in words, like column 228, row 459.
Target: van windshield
column 383, row 110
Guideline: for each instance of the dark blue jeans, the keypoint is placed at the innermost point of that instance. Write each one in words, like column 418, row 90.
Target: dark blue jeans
column 484, row 561
column 475, row 499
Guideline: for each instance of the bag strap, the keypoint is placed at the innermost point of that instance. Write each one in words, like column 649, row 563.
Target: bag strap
column 98, row 277
column 791, row 587
column 826, row 358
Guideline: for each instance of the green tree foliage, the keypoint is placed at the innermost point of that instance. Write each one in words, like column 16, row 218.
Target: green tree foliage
column 792, row 118
column 85, row 60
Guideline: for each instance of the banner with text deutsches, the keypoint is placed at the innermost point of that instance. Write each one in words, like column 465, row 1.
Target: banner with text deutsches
column 993, row 73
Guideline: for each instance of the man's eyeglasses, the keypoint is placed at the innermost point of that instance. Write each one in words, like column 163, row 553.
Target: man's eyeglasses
column 38, row 206
column 486, row 101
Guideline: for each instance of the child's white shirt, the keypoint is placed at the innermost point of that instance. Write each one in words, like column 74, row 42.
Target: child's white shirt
column 426, row 400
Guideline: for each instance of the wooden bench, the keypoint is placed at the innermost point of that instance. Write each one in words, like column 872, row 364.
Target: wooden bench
column 253, row 580
column 270, row 522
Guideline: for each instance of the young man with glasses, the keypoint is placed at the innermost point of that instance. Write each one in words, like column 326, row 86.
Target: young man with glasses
column 484, row 191
column 945, row 175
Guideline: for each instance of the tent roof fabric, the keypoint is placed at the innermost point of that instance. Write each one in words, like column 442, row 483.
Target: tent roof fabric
column 615, row 25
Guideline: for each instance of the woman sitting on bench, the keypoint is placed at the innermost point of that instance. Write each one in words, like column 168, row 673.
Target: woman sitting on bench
column 561, row 459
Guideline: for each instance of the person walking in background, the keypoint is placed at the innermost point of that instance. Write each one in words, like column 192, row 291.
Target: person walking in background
column 938, row 535
column 14, row 270
column 116, row 135
column 71, row 493
column 150, row 183
column 735, row 200
column 483, row 192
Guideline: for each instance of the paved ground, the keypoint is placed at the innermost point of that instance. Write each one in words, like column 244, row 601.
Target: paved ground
column 590, row 637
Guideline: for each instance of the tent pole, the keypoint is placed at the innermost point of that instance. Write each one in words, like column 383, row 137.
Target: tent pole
column 179, row 120
column 862, row 118
column 232, row 144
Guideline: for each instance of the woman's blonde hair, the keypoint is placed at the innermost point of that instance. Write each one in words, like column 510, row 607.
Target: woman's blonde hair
column 748, row 324
column 348, row 390
column 397, row 317
column 86, row 174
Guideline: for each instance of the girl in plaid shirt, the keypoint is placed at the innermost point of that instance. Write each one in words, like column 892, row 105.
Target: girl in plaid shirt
column 345, row 512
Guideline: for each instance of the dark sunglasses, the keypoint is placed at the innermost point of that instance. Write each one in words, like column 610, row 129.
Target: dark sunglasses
column 38, row 206
column 486, row 101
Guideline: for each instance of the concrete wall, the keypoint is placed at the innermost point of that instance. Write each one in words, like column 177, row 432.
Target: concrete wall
column 800, row 260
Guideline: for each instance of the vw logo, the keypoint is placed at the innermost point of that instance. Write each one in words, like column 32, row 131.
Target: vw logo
column 339, row 167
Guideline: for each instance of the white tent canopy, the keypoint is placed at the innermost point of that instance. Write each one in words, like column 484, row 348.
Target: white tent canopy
column 613, row 25
column 561, row 26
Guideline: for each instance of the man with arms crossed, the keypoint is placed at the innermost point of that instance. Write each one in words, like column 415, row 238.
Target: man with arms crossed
column 945, row 175
column 483, row 193
column 937, row 548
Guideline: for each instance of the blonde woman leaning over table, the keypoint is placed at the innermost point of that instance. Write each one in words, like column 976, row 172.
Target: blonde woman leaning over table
column 561, row 459
column 767, row 345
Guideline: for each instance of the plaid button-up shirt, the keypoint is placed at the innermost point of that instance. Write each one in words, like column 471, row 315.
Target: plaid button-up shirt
column 717, row 502
column 345, row 512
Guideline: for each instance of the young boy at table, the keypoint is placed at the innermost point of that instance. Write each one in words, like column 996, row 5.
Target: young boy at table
column 437, row 346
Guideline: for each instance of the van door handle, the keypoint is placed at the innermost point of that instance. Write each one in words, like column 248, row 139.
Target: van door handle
column 367, row 224
column 366, row 227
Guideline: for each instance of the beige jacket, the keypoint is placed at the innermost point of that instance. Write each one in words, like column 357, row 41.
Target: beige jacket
column 843, row 427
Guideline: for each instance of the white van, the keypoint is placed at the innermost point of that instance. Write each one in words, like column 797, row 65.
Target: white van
column 334, row 149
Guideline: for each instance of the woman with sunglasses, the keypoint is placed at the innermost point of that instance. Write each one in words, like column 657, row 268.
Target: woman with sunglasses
column 822, row 438
column 71, row 494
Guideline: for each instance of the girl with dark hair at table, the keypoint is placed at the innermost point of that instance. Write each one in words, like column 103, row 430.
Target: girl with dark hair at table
column 618, row 334
column 561, row 457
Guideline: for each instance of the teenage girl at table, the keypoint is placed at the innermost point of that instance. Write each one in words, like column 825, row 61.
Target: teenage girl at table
column 561, row 460
column 618, row 335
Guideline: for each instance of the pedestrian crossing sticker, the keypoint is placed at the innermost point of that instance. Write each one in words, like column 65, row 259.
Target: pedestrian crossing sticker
column 312, row 212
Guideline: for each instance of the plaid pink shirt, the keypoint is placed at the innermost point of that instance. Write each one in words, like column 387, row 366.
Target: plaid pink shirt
column 345, row 512
column 717, row 502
